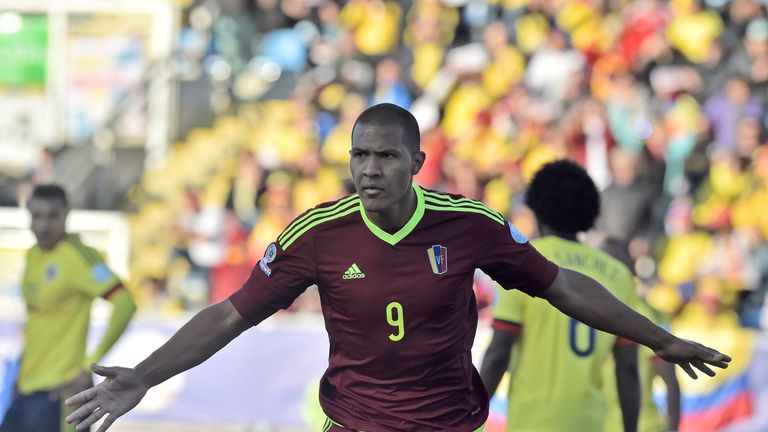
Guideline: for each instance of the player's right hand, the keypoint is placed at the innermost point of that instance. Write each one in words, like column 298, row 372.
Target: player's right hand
column 689, row 354
column 122, row 390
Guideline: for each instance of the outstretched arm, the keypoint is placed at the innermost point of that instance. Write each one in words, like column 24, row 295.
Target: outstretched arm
column 496, row 359
column 205, row 334
column 583, row 298
column 627, row 384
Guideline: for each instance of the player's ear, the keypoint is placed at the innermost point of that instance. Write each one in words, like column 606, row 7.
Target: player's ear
column 418, row 161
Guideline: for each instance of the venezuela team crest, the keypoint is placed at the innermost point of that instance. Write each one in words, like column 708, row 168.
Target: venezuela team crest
column 438, row 259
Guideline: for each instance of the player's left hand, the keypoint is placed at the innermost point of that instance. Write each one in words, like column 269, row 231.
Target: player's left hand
column 689, row 355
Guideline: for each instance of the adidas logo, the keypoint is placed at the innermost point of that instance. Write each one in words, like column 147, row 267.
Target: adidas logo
column 353, row 272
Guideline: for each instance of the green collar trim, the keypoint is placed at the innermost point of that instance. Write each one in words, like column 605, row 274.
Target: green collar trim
column 393, row 239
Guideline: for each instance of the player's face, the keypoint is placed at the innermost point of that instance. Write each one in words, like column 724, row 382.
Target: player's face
column 382, row 167
column 49, row 217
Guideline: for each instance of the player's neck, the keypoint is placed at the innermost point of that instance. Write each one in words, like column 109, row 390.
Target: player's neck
column 549, row 231
column 396, row 216
column 51, row 246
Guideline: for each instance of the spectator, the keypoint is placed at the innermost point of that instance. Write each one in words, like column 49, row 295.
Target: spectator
column 551, row 67
column 375, row 25
column 507, row 64
column 627, row 202
column 389, row 85
column 727, row 108
column 751, row 58
column 201, row 244
column 693, row 29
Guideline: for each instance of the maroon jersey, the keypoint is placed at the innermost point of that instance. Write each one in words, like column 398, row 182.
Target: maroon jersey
column 399, row 308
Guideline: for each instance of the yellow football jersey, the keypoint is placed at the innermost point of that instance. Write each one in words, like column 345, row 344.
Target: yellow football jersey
column 59, row 286
column 556, row 373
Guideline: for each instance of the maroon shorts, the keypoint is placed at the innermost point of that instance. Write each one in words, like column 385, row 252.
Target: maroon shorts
column 332, row 426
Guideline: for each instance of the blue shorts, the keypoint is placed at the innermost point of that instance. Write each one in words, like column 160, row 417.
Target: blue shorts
column 34, row 412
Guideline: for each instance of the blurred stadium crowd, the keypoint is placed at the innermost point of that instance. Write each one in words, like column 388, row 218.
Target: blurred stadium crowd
column 664, row 103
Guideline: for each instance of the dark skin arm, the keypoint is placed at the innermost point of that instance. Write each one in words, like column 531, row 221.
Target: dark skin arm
column 627, row 384
column 496, row 359
column 667, row 373
column 583, row 298
column 204, row 335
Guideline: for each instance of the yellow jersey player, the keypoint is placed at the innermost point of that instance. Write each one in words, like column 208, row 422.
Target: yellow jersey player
column 556, row 375
column 61, row 279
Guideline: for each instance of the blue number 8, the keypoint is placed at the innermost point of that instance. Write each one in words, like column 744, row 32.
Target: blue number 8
column 572, row 339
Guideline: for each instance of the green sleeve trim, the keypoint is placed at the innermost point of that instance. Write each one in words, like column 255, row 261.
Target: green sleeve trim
column 462, row 204
column 395, row 238
column 288, row 241
column 434, row 207
column 312, row 215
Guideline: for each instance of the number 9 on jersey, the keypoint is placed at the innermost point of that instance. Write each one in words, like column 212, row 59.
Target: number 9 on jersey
column 395, row 319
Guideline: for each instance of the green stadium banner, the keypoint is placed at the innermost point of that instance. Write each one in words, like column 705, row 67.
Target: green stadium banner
column 23, row 49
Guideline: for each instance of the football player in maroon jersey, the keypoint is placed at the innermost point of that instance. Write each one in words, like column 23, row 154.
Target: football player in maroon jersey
column 394, row 266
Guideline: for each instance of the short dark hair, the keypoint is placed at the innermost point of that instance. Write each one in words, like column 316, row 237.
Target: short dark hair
column 564, row 197
column 387, row 114
column 50, row 191
column 738, row 76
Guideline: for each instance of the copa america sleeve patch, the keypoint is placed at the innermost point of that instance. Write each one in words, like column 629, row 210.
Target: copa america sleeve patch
column 101, row 273
column 269, row 256
column 517, row 236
